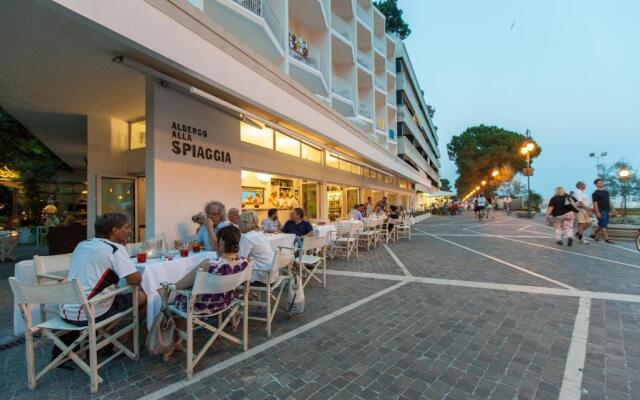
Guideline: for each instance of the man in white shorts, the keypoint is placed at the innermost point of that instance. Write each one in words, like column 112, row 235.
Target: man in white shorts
column 584, row 215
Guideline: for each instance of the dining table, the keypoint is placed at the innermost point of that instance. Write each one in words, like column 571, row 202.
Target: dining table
column 166, row 269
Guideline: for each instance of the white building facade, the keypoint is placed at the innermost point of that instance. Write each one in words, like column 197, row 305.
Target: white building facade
column 163, row 105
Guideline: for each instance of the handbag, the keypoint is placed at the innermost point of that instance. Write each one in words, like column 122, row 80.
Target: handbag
column 295, row 295
column 571, row 203
column 160, row 337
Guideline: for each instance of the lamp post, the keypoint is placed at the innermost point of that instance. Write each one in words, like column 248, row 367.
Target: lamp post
column 526, row 150
column 624, row 174
column 597, row 157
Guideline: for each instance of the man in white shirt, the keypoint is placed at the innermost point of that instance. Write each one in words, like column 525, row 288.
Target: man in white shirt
column 370, row 208
column 584, row 216
column 99, row 264
column 355, row 214
column 255, row 244
column 271, row 224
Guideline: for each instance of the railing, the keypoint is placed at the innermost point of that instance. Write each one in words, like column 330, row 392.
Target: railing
column 341, row 26
column 364, row 110
column 342, row 87
column 379, row 44
column 263, row 8
column 364, row 15
column 381, row 81
column 314, row 60
column 364, row 59
column 391, row 98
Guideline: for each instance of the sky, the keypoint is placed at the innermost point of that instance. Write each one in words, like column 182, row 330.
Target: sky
column 568, row 70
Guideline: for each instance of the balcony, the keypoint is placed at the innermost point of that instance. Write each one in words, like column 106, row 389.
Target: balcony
column 381, row 81
column 364, row 15
column 406, row 148
column 365, row 111
column 341, row 26
column 404, row 116
column 263, row 8
column 342, row 87
column 364, row 59
column 379, row 43
column 307, row 65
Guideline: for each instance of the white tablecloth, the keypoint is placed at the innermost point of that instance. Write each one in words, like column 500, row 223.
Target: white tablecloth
column 156, row 271
column 324, row 230
column 281, row 239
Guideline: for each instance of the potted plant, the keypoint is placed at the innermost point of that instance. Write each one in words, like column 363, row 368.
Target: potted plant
column 24, row 231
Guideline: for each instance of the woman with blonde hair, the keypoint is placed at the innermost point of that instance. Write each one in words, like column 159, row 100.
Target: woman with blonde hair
column 254, row 244
column 561, row 210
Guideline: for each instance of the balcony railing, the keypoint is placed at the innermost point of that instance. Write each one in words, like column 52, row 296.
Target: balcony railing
column 381, row 81
column 379, row 44
column 364, row 110
column 263, row 8
column 313, row 58
column 341, row 26
column 364, row 59
column 364, row 14
column 342, row 87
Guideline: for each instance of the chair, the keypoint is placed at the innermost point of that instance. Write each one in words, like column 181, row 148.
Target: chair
column 46, row 267
column 207, row 283
column 7, row 245
column 389, row 234
column 284, row 240
column 313, row 254
column 282, row 259
column 344, row 241
column 367, row 237
column 70, row 292
column 403, row 228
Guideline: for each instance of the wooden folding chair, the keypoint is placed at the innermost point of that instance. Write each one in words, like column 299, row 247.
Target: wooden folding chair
column 389, row 234
column 282, row 260
column 7, row 245
column 313, row 255
column 403, row 228
column 207, row 283
column 70, row 292
column 367, row 236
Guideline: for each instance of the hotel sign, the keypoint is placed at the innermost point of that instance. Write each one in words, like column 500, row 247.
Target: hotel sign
column 182, row 143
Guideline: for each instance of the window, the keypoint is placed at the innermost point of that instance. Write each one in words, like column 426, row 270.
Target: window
column 356, row 169
column 254, row 135
column 137, row 139
column 403, row 184
column 373, row 174
column 311, row 153
column 287, row 144
column 365, row 172
column 345, row 165
column 332, row 161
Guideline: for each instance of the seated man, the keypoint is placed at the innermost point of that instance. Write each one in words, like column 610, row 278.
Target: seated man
column 271, row 224
column 99, row 264
column 234, row 216
column 356, row 214
column 297, row 225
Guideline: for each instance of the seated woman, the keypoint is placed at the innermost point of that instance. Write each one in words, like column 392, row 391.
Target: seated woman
column 227, row 264
column 255, row 245
column 393, row 217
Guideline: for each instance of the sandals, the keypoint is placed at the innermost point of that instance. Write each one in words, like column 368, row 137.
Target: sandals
column 610, row 241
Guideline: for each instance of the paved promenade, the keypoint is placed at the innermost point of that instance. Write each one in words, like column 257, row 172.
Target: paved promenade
column 465, row 310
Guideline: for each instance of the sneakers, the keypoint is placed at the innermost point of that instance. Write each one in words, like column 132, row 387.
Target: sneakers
column 584, row 241
column 594, row 237
column 610, row 241
column 559, row 242
column 579, row 236
column 570, row 242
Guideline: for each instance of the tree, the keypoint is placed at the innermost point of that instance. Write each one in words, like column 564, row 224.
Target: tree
column 24, row 153
column 616, row 187
column 445, row 185
column 393, row 15
column 479, row 150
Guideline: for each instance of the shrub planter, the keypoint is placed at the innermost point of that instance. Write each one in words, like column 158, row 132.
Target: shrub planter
column 623, row 231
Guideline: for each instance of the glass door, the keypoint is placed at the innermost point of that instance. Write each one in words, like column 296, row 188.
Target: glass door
column 353, row 198
column 118, row 195
column 310, row 199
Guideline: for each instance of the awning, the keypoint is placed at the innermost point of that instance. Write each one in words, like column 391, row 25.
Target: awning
column 441, row 194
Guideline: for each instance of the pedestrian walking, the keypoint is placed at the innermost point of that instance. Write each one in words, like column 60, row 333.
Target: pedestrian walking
column 507, row 204
column 562, row 214
column 602, row 208
column 584, row 214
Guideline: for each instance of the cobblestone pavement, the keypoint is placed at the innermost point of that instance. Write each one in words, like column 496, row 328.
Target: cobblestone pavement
column 465, row 310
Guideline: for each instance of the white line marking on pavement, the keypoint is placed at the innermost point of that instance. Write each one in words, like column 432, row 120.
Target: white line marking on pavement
column 524, row 227
column 625, row 248
column 631, row 298
column 172, row 388
column 572, row 380
column 508, row 264
column 575, row 253
column 397, row 260
column 482, row 235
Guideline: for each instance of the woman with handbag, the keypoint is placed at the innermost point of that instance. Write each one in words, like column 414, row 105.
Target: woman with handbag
column 561, row 210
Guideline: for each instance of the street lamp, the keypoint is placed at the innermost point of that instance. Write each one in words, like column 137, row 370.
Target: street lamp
column 526, row 150
column 483, row 183
column 495, row 173
column 624, row 174
column 597, row 157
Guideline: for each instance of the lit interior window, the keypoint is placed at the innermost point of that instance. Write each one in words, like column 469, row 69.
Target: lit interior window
column 287, row 144
column 260, row 137
column 345, row 165
column 311, row 153
column 356, row 169
column 137, row 138
column 332, row 161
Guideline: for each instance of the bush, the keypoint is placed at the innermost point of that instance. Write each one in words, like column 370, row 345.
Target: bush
column 629, row 219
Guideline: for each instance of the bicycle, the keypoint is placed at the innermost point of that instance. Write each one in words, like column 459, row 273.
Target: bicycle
column 638, row 240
